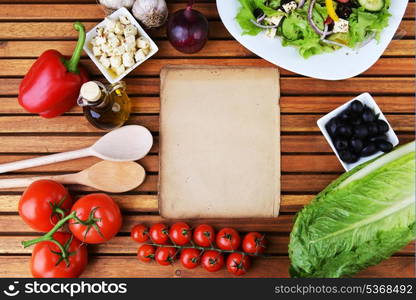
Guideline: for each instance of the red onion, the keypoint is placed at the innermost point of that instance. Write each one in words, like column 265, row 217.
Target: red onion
column 263, row 26
column 187, row 29
column 312, row 23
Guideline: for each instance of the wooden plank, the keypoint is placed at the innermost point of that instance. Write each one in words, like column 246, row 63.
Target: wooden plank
column 64, row 30
column 288, row 85
column 228, row 48
column 129, row 266
column 276, row 244
column 80, row 11
column 63, row 124
column 384, row 66
column 53, row 144
column 305, row 183
column 289, row 163
column 288, row 104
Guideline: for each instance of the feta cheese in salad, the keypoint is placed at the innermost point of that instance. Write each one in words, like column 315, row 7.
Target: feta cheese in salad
column 118, row 45
column 340, row 26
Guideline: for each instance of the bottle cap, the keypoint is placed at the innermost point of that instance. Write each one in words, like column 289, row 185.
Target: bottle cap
column 90, row 91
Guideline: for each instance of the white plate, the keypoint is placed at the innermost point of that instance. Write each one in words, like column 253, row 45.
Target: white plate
column 341, row 64
column 93, row 32
column 371, row 103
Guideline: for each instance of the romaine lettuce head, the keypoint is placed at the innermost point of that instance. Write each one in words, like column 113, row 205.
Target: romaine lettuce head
column 360, row 219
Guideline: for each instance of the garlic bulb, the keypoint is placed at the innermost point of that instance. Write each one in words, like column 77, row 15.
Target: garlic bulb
column 116, row 4
column 151, row 13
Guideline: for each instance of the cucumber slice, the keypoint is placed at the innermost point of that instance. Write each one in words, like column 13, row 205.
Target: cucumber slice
column 372, row 5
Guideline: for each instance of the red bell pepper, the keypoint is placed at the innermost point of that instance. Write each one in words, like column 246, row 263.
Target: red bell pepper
column 51, row 87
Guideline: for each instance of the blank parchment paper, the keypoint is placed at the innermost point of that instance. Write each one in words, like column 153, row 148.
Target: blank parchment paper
column 219, row 142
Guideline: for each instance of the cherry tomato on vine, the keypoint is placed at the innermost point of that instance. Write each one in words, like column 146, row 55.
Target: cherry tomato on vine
column 140, row 233
column 238, row 264
column 146, row 253
column 190, row 258
column 47, row 262
column 180, row 233
column 165, row 255
column 254, row 243
column 159, row 233
column 228, row 239
column 43, row 203
column 204, row 235
column 101, row 213
column 212, row 260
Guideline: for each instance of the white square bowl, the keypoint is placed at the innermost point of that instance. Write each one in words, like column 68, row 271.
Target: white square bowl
column 369, row 101
column 93, row 32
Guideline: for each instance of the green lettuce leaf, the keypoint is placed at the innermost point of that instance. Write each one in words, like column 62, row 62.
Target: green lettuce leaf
column 360, row 219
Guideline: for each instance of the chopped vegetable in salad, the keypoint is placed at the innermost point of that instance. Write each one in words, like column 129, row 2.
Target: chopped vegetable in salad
column 315, row 26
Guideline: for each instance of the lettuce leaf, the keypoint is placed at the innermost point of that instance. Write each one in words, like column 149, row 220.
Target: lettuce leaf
column 360, row 219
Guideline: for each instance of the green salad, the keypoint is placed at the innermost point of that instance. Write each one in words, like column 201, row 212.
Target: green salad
column 315, row 26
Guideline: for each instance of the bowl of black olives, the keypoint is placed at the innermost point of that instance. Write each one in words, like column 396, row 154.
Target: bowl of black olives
column 358, row 131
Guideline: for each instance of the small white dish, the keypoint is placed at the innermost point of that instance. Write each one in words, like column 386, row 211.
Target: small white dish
column 370, row 102
column 93, row 32
column 341, row 64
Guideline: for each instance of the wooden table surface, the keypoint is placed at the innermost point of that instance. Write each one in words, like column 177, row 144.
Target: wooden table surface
column 308, row 164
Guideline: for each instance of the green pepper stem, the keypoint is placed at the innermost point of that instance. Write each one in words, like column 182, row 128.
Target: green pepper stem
column 72, row 64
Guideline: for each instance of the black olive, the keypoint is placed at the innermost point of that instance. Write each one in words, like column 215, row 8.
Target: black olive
column 368, row 115
column 372, row 129
column 341, row 143
column 370, row 149
column 343, row 10
column 355, row 121
column 258, row 12
column 356, row 145
column 344, row 116
column 361, row 131
column 384, row 145
column 331, row 126
column 347, row 156
column 356, row 106
column 382, row 126
column 344, row 130
column 378, row 138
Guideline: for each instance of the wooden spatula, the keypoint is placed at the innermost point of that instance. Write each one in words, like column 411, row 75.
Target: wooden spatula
column 107, row 176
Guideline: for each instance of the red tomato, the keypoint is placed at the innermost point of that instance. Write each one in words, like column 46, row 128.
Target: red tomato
column 140, row 233
column 254, row 243
column 106, row 218
column 212, row 260
column 228, row 239
column 46, row 261
column 180, row 233
column 43, row 203
column 165, row 255
column 159, row 233
column 146, row 253
column 190, row 258
column 343, row 1
column 238, row 264
column 204, row 235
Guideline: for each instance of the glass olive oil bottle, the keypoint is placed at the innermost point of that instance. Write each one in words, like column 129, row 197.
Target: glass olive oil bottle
column 105, row 107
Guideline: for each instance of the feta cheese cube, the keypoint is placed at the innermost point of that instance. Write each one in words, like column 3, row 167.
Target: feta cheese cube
column 139, row 55
column 271, row 32
column 130, row 30
column 113, row 41
column 275, row 20
column 119, row 70
column 141, row 42
column 288, row 7
column 96, row 51
column 128, row 59
column 107, row 49
column 115, row 61
column 118, row 50
column 124, row 20
column 118, row 28
column 341, row 26
column 99, row 40
column 146, row 51
column 110, row 25
column 105, row 61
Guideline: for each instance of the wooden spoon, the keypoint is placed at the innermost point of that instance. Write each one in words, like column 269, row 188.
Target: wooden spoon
column 107, row 176
column 127, row 143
